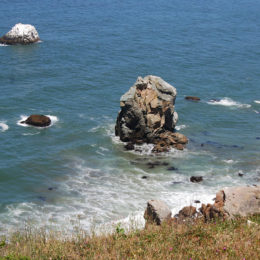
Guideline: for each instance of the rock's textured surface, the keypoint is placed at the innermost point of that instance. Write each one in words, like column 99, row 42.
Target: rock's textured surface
column 242, row 201
column 147, row 115
column 21, row 34
column 234, row 201
column 157, row 212
column 37, row 120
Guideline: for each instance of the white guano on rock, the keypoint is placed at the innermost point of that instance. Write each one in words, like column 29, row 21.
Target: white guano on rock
column 21, row 34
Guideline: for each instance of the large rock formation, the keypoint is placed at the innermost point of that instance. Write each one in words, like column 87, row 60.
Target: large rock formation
column 37, row 120
column 21, row 34
column 147, row 115
column 234, row 201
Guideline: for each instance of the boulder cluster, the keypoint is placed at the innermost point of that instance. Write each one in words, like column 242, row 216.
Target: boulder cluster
column 229, row 203
column 148, row 115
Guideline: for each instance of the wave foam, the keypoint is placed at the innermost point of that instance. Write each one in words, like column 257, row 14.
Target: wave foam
column 228, row 102
column 4, row 126
column 3, row 45
column 54, row 120
column 257, row 101
column 179, row 127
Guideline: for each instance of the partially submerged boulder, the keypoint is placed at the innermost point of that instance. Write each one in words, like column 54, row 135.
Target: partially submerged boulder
column 192, row 98
column 37, row 120
column 21, row 34
column 148, row 116
column 196, row 178
column 157, row 212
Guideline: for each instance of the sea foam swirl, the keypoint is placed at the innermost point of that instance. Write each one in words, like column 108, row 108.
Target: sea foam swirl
column 3, row 126
column 228, row 102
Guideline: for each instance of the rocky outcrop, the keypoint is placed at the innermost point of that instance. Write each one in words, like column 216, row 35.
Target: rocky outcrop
column 234, row 201
column 37, row 120
column 21, row 34
column 157, row 212
column 148, row 116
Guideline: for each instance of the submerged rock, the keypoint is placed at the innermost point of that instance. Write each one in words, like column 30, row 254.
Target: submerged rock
column 192, row 98
column 37, row 120
column 196, row 178
column 157, row 212
column 148, row 116
column 21, row 34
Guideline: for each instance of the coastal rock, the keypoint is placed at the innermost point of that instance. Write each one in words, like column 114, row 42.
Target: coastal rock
column 21, row 34
column 192, row 98
column 242, row 201
column 187, row 212
column 233, row 201
column 157, row 212
column 196, row 178
column 148, row 116
column 37, row 120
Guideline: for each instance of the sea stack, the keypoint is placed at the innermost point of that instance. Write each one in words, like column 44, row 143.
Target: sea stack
column 148, row 115
column 21, row 34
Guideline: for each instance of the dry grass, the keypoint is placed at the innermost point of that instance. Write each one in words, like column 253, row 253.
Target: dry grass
column 216, row 240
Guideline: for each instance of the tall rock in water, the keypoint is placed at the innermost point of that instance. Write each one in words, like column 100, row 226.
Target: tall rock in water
column 21, row 34
column 147, row 114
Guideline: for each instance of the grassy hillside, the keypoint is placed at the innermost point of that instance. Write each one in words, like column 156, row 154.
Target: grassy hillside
column 216, row 240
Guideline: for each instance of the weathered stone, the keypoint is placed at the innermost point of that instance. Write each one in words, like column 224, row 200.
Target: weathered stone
column 37, row 120
column 242, row 201
column 192, row 98
column 187, row 212
column 233, row 201
column 157, row 212
column 147, row 111
column 196, row 178
column 21, row 34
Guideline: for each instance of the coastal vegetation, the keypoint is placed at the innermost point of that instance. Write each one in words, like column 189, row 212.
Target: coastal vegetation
column 217, row 239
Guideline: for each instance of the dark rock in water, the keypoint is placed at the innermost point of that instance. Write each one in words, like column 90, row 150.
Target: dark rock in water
column 129, row 146
column 21, row 34
column 202, row 145
column 144, row 177
column 192, row 98
column 37, row 120
column 148, row 116
column 176, row 182
column 41, row 198
column 165, row 163
column 240, row 174
column 196, row 178
column 196, row 201
column 172, row 169
column 156, row 163
column 257, row 138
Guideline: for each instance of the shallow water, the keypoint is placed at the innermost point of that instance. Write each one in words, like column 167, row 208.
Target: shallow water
column 91, row 53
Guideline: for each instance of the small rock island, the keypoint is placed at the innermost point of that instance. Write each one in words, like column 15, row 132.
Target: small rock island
column 21, row 34
column 148, row 115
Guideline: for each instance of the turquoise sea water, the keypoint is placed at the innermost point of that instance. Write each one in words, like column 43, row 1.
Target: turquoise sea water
column 91, row 53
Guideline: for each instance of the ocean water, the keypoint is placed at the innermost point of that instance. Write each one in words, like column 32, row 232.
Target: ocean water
column 76, row 171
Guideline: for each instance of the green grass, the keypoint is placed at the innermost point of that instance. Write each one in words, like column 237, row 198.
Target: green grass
column 215, row 240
